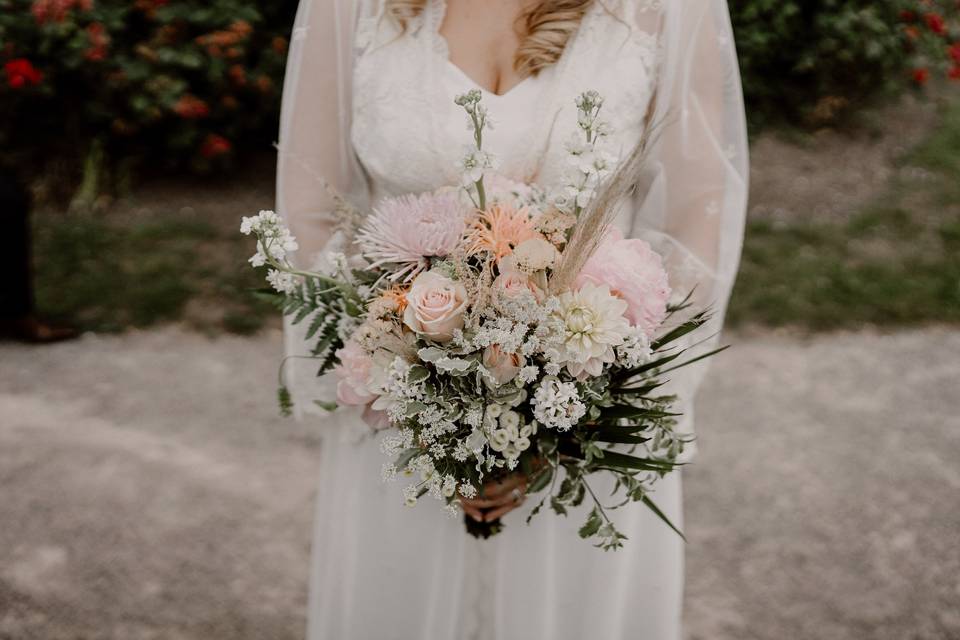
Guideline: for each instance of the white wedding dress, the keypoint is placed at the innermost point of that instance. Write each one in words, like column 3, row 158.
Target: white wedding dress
column 383, row 571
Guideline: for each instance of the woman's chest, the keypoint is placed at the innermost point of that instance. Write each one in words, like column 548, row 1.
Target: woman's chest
column 408, row 133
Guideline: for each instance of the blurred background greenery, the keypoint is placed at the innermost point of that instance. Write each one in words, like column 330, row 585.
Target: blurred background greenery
column 145, row 128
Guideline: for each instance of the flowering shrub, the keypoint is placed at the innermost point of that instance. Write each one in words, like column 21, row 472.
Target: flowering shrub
column 815, row 59
column 932, row 31
column 184, row 82
column 175, row 82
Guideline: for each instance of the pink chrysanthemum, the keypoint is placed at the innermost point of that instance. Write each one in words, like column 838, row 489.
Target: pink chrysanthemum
column 409, row 230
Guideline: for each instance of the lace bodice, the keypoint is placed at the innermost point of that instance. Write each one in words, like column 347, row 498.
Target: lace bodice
column 408, row 133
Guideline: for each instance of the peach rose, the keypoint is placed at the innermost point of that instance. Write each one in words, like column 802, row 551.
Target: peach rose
column 435, row 306
column 503, row 366
column 354, row 373
column 511, row 284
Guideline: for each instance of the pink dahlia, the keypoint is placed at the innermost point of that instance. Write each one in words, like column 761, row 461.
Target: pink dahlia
column 635, row 273
column 409, row 230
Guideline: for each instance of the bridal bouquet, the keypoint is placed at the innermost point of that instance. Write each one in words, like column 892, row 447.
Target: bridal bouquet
column 491, row 329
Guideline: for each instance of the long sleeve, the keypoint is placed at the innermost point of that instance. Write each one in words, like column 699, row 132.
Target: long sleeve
column 316, row 161
column 694, row 206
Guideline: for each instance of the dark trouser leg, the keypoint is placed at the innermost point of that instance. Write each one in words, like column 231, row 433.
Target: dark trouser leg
column 16, row 297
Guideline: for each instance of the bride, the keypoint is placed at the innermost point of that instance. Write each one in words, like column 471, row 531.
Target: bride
column 368, row 112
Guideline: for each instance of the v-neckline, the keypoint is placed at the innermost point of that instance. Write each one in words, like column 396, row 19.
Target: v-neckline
column 443, row 50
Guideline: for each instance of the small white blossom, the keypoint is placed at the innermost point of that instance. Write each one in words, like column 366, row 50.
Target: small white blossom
column 529, row 373
column 282, row 281
column 557, row 404
column 388, row 472
column 474, row 163
column 410, row 495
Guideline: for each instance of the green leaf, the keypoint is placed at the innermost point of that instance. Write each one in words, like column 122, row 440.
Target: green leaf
column 630, row 412
column 690, row 325
column 624, row 461
column 697, row 359
column 541, row 480
column 649, row 366
column 660, row 514
column 637, row 391
column 612, row 436
column 592, row 525
column 417, row 374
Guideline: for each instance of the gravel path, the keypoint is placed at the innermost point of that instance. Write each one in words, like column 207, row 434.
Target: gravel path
column 149, row 491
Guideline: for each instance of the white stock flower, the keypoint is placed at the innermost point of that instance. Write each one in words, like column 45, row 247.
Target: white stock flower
column 474, row 163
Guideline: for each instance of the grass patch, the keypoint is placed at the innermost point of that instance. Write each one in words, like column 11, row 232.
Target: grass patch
column 108, row 275
column 894, row 263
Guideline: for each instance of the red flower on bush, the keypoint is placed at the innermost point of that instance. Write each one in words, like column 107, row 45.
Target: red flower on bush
column 99, row 40
column 936, row 23
column 56, row 10
column 921, row 76
column 954, row 52
column 21, row 73
column 237, row 74
column 191, row 107
column 215, row 145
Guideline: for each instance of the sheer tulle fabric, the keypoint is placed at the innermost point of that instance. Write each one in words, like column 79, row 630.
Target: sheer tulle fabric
column 382, row 570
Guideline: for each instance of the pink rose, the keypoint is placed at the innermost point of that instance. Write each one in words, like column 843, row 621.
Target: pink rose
column 354, row 373
column 511, row 284
column 635, row 273
column 503, row 366
column 435, row 306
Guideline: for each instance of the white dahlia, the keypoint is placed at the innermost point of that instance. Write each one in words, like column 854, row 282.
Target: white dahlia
column 594, row 324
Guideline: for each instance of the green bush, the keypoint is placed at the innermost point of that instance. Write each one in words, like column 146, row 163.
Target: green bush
column 192, row 83
column 811, row 61
column 172, row 82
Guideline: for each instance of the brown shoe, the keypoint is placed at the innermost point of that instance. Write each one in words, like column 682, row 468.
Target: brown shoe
column 36, row 331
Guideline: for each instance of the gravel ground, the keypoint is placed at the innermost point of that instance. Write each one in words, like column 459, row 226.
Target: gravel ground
column 149, row 491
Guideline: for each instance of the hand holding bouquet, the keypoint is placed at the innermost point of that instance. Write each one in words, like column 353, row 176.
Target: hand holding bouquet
column 492, row 330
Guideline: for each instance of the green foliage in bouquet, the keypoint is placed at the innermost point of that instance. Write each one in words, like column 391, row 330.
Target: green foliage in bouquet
column 178, row 83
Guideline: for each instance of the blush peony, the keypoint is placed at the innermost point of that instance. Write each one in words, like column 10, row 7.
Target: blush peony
column 435, row 306
column 635, row 273
column 354, row 375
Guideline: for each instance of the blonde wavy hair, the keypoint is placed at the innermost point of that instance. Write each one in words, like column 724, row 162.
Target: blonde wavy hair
column 546, row 28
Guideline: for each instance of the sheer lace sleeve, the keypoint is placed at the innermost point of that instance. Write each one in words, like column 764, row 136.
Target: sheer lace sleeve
column 692, row 207
column 316, row 158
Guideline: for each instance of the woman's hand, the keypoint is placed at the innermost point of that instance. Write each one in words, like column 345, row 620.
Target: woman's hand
column 497, row 499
